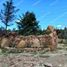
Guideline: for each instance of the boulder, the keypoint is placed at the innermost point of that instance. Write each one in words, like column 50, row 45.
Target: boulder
column 5, row 42
column 50, row 28
column 21, row 44
column 35, row 42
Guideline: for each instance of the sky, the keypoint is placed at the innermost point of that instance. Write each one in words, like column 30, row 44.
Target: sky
column 48, row 12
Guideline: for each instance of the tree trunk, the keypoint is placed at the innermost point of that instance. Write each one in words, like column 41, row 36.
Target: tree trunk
column 6, row 29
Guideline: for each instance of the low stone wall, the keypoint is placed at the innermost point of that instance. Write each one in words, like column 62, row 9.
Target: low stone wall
column 32, row 41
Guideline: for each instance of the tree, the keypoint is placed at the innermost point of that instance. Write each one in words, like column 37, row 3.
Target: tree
column 65, row 33
column 28, row 25
column 8, row 13
column 62, row 33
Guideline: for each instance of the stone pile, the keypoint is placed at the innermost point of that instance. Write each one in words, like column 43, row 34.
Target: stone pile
column 49, row 40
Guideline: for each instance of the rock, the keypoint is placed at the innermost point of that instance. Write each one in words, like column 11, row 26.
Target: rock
column 5, row 42
column 50, row 28
column 35, row 42
column 21, row 44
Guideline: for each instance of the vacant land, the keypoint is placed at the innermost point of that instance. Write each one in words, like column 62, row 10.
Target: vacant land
column 42, row 58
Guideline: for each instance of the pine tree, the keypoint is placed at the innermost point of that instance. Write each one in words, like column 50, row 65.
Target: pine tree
column 28, row 25
column 7, row 15
column 65, row 33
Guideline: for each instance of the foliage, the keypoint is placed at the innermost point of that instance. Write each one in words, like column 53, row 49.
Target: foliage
column 28, row 25
column 62, row 33
column 8, row 13
column 65, row 33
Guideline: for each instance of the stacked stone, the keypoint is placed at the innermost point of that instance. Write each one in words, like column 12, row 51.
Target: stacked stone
column 43, row 41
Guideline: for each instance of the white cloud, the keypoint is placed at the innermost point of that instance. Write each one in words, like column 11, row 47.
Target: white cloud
column 20, row 2
column 36, row 3
column 17, row 20
column 59, row 26
column 53, row 3
column 44, row 15
column 60, row 16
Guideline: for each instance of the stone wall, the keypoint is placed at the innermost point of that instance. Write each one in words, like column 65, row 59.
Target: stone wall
column 42, row 41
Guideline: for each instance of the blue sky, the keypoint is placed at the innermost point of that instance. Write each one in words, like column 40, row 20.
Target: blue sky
column 48, row 12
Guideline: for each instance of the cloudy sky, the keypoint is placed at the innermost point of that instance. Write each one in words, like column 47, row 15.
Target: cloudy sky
column 48, row 12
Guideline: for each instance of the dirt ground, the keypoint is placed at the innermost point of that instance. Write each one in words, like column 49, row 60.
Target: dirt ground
column 56, row 58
